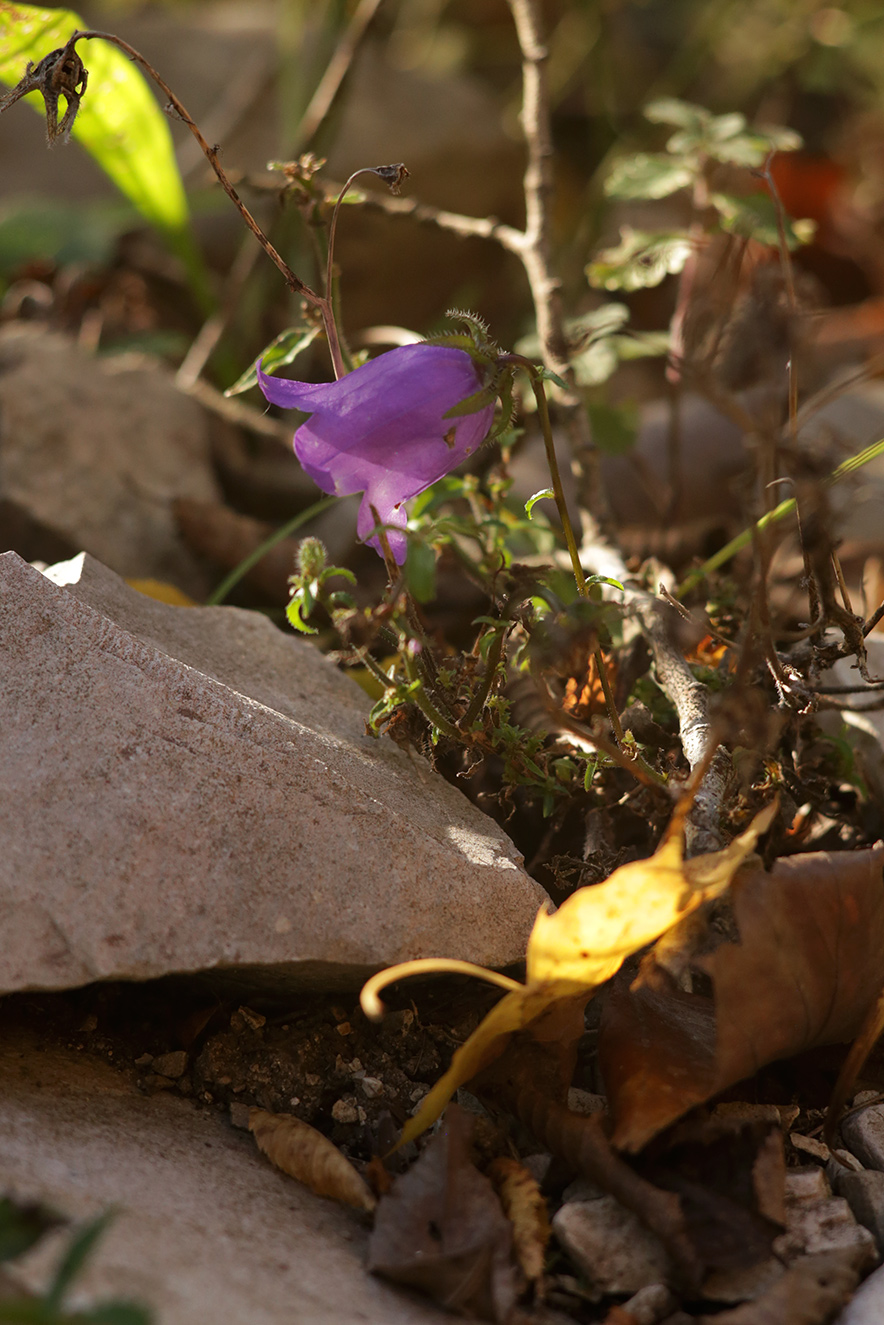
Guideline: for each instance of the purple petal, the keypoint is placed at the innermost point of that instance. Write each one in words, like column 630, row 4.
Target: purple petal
column 380, row 430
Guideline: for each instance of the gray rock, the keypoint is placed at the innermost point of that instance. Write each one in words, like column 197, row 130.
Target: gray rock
column 93, row 451
column 817, row 1222
column 206, row 1229
column 864, row 1193
column 863, row 1134
column 612, row 1248
column 184, row 789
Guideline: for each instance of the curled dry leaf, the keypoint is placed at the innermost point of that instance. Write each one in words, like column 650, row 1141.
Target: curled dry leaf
column 303, row 1153
column 525, row 1208
column 807, row 969
column 575, row 950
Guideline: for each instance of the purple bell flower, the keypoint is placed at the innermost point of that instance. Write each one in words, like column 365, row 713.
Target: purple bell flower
column 381, row 429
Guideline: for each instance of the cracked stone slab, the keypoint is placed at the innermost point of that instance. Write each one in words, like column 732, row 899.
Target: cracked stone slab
column 205, row 1230
column 189, row 789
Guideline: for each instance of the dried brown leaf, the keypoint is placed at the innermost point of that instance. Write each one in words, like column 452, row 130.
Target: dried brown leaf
column 525, row 1208
column 303, row 1153
column 809, row 1293
column 441, row 1230
column 807, row 969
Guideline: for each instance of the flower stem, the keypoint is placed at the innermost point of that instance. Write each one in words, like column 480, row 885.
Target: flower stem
column 558, row 490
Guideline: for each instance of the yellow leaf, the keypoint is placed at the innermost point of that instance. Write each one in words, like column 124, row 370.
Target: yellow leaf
column 303, row 1153
column 578, row 948
column 162, row 592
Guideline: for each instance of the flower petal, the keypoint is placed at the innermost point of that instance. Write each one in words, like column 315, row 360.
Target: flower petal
column 381, row 429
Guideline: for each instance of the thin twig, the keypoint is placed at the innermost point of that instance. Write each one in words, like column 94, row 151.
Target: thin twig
column 294, row 282
column 535, row 251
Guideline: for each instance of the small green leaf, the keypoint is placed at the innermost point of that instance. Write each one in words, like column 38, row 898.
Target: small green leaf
column 278, row 354
column 420, row 570
column 119, row 123
column 755, row 217
column 114, row 1313
column 647, row 175
column 538, row 496
column 547, row 375
column 670, row 110
column 614, row 427
column 294, row 608
column 641, row 259
column 78, row 1252
column 471, row 404
column 605, row 579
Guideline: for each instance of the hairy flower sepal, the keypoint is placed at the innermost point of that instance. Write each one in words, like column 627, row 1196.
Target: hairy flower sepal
column 383, row 430
column 575, row 950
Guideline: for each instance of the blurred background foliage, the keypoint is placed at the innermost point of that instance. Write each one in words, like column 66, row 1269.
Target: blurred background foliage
column 436, row 83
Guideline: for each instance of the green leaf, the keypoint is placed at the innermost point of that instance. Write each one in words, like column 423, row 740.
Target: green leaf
column 471, row 404
column 650, row 175
column 281, row 351
column 547, row 375
column 597, row 363
column 119, row 123
column 755, row 217
column 642, row 344
column 75, row 1258
column 604, row 579
column 294, row 608
column 420, row 570
column 113, row 1313
column 670, row 110
column 22, row 1224
column 641, row 259
column 614, row 427
column 538, row 496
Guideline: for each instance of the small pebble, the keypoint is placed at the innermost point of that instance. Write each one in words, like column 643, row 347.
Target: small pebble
column 345, row 1110
column 171, row 1065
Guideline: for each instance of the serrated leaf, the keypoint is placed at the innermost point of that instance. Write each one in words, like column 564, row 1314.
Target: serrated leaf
column 120, row 122
column 538, row 496
column 650, row 175
column 281, row 351
column 640, row 260
column 305, row 1154
column 294, row 608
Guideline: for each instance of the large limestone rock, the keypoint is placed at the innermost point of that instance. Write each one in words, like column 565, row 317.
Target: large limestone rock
column 93, row 452
column 206, row 1230
column 184, row 789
